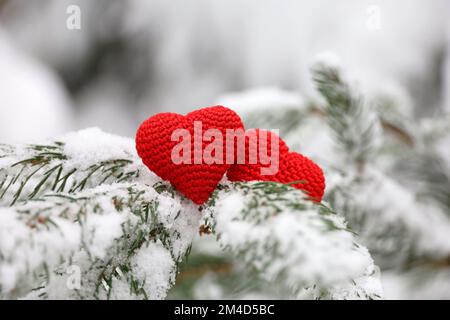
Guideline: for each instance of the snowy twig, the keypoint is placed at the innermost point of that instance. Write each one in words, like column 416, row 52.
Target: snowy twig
column 125, row 239
column 354, row 124
column 290, row 241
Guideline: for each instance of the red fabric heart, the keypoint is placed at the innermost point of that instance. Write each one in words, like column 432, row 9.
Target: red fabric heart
column 154, row 146
column 292, row 167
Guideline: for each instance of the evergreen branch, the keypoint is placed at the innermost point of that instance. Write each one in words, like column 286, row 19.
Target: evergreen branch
column 71, row 208
column 73, row 205
column 427, row 172
column 101, row 230
column 286, row 121
column 353, row 124
column 293, row 243
column 390, row 220
column 38, row 169
column 366, row 287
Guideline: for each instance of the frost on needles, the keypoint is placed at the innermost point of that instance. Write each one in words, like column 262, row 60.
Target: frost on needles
column 387, row 174
column 85, row 203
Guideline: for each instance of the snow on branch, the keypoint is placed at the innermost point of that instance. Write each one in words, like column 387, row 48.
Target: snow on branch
column 74, row 207
column 291, row 242
column 81, row 217
column 355, row 126
column 391, row 221
column 73, row 163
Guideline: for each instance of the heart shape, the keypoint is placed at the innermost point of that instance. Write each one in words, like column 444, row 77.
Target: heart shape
column 292, row 166
column 154, row 145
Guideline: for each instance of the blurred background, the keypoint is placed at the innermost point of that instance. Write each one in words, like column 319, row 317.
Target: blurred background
column 68, row 65
column 130, row 59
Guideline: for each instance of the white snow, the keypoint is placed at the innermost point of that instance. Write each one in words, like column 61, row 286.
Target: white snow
column 396, row 205
column 33, row 103
column 94, row 230
column 92, row 145
column 155, row 266
column 24, row 249
column 102, row 230
column 307, row 251
column 329, row 58
column 259, row 99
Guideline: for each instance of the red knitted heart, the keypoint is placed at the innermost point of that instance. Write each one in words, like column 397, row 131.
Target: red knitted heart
column 292, row 167
column 154, row 145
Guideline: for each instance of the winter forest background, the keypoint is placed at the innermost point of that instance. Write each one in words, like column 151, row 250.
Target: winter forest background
column 131, row 59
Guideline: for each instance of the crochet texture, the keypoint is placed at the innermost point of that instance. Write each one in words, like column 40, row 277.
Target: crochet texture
column 154, row 146
column 292, row 166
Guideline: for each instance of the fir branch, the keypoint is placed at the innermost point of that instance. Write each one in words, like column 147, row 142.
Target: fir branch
column 428, row 175
column 273, row 230
column 352, row 122
column 286, row 121
column 390, row 219
column 38, row 170
column 70, row 208
column 111, row 237
column 66, row 204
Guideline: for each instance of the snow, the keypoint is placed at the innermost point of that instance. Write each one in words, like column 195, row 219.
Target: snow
column 155, row 267
column 93, row 229
column 307, row 251
column 34, row 104
column 208, row 288
column 400, row 104
column 431, row 283
column 436, row 137
column 397, row 205
column 92, row 145
column 259, row 99
column 318, row 145
column 368, row 286
column 328, row 58
column 24, row 249
column 100, row 235
column 102, row 231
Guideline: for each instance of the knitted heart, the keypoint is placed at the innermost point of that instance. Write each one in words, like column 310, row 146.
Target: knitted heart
column 292, row 167
column 154, row 145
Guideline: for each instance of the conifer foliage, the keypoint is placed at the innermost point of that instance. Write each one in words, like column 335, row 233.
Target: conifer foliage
column 82, row 217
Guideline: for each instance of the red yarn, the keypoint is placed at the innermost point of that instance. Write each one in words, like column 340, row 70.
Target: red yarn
column 154, row 146
column 292, row 167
